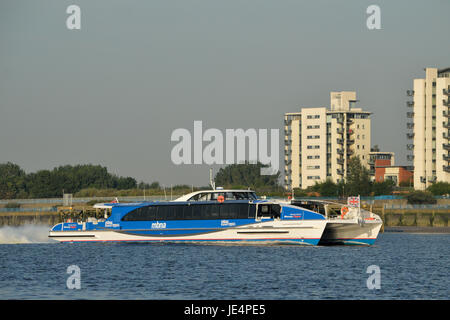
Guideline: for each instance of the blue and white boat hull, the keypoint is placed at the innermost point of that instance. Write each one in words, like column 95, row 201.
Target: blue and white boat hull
column 303, row 232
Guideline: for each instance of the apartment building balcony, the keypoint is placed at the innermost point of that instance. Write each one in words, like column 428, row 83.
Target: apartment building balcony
column 409, row 93
column 340, row 120
column 340, row 130
column 339, row 141
column 446, row 103
column 410, row 114
column 446, row 168
column 410, row 157
column 350, row 141
column 446, row 91
column 340, row 160
column 410, row 103
column 410, row 135
column 446, row 125
column 350, row 132
column 410, row 146
column 340, row 151
column 446, row 146
column 340, row 172
column 350, row 152
column 446, row 157
column 350, row 121
column 445, row 135
column 410, row 125
column 446, row 114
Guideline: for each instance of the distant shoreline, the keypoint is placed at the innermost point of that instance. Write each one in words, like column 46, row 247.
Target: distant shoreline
column 412, row 229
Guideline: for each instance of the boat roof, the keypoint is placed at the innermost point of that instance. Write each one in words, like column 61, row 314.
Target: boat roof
column 186, row 197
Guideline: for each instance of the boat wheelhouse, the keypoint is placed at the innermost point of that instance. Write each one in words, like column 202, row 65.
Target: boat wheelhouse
column 225, row 216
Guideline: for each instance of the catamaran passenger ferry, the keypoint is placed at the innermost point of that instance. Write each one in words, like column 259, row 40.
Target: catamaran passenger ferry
column 204, row 216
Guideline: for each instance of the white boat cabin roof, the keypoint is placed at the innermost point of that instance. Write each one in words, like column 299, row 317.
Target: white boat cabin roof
column 228, row 194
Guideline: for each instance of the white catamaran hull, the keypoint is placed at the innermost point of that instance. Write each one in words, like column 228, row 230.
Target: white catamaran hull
column 306, row 232
column 351, row 232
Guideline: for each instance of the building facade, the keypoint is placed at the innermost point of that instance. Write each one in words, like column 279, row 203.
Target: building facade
column 320, row 141
column 430, row 129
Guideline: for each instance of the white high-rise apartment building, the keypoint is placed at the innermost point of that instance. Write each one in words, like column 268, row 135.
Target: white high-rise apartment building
column 431, row 128
column 320, row 141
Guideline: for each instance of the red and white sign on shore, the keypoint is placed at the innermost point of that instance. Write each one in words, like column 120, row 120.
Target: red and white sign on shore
column 353, row 202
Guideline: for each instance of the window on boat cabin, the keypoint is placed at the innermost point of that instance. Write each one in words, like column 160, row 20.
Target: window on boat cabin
column 234, row 211
column 269, row 211
column 192, row 212
column 204, row 197
column 141, row 214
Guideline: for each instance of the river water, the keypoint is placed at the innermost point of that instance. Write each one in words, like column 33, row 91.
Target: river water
column 412, row 266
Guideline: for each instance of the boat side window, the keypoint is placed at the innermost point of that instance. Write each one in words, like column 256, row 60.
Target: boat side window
column 178, row 213
column 204, row 197
column 187, row 212
column 276, row 210
column 229, row 196
column 164, row 212
column 239, row 196
column 141, row 214
column 215, row 211
column 216, row 195
column 252, row 211
column 195, row 197
column 269, row 211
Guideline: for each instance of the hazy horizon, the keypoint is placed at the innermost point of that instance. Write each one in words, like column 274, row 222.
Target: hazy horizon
column 113, row 92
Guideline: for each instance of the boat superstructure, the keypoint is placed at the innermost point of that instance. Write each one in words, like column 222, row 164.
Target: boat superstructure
column 202, row 216
column 345, row 224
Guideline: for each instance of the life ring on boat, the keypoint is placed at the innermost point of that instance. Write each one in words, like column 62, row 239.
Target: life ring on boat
column 344, row 211
column 220, row 199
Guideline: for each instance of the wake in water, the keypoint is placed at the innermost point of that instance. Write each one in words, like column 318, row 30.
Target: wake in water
column 29, row 233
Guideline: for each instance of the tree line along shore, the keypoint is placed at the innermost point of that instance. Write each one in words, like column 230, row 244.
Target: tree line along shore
column 96, row 184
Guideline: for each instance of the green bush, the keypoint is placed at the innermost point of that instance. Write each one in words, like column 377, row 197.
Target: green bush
column 420, row 197
column 12, row 205
column 439, row 188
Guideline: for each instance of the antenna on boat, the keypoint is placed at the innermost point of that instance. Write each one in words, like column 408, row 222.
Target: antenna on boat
column 211, row 179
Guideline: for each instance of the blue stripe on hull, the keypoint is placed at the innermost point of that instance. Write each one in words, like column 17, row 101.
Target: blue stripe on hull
column 348, row 242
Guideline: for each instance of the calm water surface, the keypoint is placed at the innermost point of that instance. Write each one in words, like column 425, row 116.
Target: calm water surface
column 413, row 266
